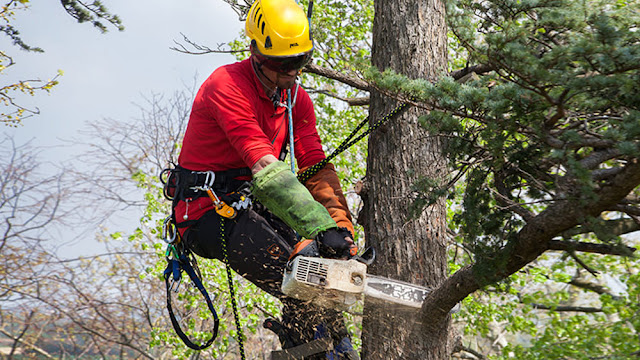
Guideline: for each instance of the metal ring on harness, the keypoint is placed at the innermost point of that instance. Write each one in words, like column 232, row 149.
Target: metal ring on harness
column 169, row 233
column 167, row 185
column 208, row 181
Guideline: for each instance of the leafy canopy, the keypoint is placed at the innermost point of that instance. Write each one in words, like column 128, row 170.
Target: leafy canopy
column 547, row 115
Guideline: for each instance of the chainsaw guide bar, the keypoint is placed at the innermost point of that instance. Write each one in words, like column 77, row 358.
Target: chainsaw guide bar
column 338, row 284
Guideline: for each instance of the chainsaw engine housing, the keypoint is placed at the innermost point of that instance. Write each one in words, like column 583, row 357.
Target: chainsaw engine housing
column 336, row 284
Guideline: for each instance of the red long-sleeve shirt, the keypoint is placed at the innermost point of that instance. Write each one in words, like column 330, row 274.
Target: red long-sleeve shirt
column 233, row 124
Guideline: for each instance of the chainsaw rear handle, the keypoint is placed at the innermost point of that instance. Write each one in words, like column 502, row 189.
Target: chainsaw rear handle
column 306, row 247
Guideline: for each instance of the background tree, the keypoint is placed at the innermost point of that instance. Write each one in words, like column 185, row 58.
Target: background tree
column 546, row 147
column 51, row 305
column 29, row 204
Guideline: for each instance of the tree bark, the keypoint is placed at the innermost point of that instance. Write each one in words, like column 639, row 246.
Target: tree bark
column 410, row 38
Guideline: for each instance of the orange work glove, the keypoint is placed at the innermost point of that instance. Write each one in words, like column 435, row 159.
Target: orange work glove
column 325, row 188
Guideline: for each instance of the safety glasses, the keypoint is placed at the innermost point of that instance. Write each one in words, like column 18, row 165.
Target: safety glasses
column 285, row 64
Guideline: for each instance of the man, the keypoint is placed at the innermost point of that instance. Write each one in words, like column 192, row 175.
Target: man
column 238, row 130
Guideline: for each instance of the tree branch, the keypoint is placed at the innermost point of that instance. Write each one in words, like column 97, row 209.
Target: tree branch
column 503, row 197
column 201, row 49
column 598, row 157
column 363, row 101
column 31, row 346
column 363, row 85
column 91, row 13
column 584, row 309
column 531, row 241
column 598, row 289
column 604, row 249
column 582, row 263
column 478, row 69
column 627, row 209
column 603, row 174
column 338, row 76
column 476, row 354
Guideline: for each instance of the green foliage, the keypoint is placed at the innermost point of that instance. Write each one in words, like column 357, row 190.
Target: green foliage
column 564, row 87
column 526, row 317
column 342, row 32
column 14, row 112
column 94, row 13
column 610, row 334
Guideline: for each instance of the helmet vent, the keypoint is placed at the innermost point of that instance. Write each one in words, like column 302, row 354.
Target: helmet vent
column 256, row 14
column 267, row 43
column 262, row 28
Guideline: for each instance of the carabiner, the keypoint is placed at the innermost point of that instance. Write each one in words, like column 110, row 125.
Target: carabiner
column 169, row 232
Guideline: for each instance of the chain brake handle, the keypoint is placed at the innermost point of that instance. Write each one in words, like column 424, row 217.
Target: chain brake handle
column 367, row 257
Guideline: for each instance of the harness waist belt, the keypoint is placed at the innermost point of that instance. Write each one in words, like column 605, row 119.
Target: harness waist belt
column 217, row 180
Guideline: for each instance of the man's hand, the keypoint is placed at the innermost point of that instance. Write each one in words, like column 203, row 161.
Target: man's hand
column 262, row 163
column 336, row 243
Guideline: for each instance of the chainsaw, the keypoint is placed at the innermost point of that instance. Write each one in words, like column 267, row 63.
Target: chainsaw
column 339, row 284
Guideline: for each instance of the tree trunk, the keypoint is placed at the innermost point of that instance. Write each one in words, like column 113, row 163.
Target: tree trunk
column 409, row 37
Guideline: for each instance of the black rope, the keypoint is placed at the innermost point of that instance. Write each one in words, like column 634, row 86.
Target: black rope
column 232, row 291
column 348, row 142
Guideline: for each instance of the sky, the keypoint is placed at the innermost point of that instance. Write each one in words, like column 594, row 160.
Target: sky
column 106, row 75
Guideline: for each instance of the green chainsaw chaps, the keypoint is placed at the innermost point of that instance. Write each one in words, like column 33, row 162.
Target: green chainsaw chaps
column 278, row 189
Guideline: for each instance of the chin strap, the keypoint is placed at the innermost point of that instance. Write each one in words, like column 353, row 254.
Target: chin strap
column 276, row 96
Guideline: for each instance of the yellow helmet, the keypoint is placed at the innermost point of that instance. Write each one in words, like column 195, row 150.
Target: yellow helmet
column 280, row 34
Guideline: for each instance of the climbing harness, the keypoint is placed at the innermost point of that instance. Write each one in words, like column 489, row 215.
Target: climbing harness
column 348, row 142
column 182, row 184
